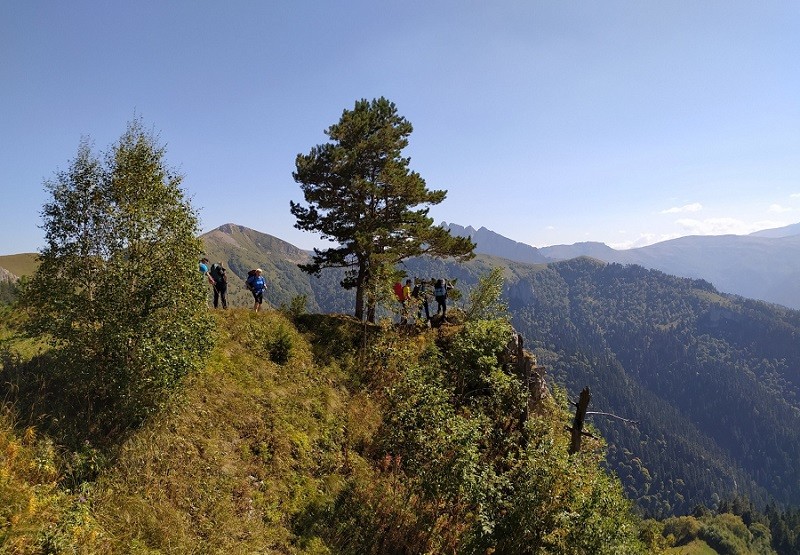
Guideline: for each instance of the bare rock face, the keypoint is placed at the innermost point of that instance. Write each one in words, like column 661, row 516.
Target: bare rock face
column 526, row 366
column 5, row 275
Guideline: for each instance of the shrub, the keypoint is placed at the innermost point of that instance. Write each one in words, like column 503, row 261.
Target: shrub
column 279, row 345
column 117, row 288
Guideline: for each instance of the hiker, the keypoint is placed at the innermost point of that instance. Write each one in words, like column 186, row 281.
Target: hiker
column 204, row 270
column 406, row 302
column 398, row 291
column 397, row 288
column 420, row 294
column 440, row 294
column 217, row 272
column 257, row 285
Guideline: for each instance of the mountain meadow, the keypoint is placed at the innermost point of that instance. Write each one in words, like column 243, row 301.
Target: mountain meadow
column 307, row 431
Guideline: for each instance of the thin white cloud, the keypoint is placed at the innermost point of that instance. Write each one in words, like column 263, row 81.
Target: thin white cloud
column 694, row 207
column 724, row 226
column 794, row 195
column 688, row 226
column 643, row 240
column 779, row 209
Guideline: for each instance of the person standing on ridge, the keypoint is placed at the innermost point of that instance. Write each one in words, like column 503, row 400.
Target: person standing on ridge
column 440, row 293
column 406, row 302
column 220, row 278
column 421, row 296
column 397, row 288
column 203, row 267
column 257, row 285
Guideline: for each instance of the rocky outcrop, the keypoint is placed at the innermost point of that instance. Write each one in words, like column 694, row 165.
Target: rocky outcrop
column 5, row 275
column 525, row 365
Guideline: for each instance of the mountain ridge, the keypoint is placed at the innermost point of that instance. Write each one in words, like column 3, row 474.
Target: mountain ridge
column 763, row 265
column 636, row 336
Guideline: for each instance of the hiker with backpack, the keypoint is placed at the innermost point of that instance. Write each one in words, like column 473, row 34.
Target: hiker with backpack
column 406, row 302
column 420, row 294
column 204, row 270
column 256, row 284
column 397, row 288
column 220, row 278
column 440, row 294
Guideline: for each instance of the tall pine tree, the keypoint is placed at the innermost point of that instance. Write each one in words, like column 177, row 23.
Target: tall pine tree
column 362, row 195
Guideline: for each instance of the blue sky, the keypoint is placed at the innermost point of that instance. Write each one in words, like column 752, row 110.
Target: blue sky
column 547, row 122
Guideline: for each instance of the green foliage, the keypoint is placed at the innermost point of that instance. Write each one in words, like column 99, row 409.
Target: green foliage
column 362, row 195
column 363, row 440
column 652, row 536
column 296, row 307
column 465, row 438
column 485, row 300
column 474, row 356
column 117, row 289
column 8, row 292
column 725, row 533
column 279, row 346
column 272, row 337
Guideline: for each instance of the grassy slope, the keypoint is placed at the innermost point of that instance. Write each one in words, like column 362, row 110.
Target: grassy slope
column 225, row 468
column 19, row 264
column 244, row 451
column 697, row 547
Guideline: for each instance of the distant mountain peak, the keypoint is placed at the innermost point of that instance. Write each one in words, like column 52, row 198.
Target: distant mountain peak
column 778, row 232
column 241, row 237
column 489, row 242
column 763, row 265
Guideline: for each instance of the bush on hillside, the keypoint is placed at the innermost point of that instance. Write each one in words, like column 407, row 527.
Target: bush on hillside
column 459, row 468
column 117, row 289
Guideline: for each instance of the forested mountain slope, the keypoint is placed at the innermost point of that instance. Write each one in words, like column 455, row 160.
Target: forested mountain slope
column 763, row 265
column 713, row 379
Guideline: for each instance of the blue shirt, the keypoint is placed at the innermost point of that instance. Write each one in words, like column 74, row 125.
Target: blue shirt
column 258, row 284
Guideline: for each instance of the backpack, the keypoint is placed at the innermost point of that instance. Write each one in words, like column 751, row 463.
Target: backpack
column 217, row 272
column 398, row 291
column 251, row 275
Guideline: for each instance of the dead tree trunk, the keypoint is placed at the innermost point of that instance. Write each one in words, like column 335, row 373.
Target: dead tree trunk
column 577, row 423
